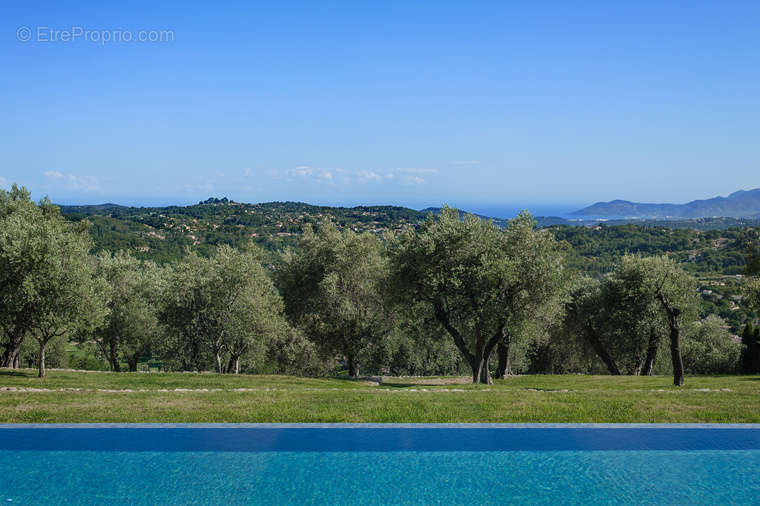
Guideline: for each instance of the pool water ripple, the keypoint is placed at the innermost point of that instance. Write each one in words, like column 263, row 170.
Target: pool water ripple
column 558, row 466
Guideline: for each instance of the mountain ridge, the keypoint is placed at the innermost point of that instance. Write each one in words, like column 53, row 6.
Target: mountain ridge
column 739, row 204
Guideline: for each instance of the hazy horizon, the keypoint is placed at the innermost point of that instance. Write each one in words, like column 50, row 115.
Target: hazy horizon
column 503, row 210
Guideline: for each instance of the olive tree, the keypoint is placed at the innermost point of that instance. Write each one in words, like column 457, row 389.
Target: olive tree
column 291, row 352
column 48, row 287
column 55, row 353
column 526, row 329
column 132, row 297
column 71, row 296
column 586, row 318
column 536, row 305
column 636, row 320
column 218, row 309
column 21, row 252
column 661, row 279
column 475, row 277
column 626, row 316
column 413, row 347
column 709, row 349
column 621, row 329
column 332, row 287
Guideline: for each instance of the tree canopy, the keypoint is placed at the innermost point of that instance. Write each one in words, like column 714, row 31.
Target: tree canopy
column 218, row 309
column 48, row 287
column 332, row 284
column 133, row 298
column 474, row 277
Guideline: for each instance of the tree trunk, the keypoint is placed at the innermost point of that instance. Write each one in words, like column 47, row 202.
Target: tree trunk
column 13, row 349
column 7, row 359
column 485, row 374
column 132, row 363
column 237, row 365
column 488, row 348
column 479, row 360
column 638, row 364
column 484, row 350
column 475, row 364
column 8, row 355
column 219, row 367
column 474, row 361
column 479, row 375
column 481, row 372
column 353, row 366
column 674, row 322
column 651, row 354
column 603, row 354
column 17, row 359
column 113, row 355
column 503, row 369
column 675, row 352
column 42, row 358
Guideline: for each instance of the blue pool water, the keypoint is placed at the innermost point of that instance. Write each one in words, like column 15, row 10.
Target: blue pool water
column 383, row 465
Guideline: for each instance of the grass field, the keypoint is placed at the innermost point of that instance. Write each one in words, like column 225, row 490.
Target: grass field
column 160, row 397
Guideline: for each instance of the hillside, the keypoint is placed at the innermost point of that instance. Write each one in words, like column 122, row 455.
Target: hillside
column 164, row 233
column 713, row 249
column 740, row 204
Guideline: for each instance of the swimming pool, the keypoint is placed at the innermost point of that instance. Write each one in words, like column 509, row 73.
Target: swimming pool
column 380, row 464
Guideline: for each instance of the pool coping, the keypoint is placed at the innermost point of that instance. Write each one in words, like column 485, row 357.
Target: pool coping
column 379, row 425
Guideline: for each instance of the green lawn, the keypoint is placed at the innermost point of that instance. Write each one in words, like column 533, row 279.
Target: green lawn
column 176, row 397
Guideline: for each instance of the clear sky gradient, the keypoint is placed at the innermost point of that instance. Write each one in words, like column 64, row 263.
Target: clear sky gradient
column 489, row 106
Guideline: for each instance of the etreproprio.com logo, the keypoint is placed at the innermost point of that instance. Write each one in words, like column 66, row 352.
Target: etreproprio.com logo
column 49, row 34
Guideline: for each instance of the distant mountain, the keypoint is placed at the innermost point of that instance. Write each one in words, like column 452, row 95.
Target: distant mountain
column 740, row 204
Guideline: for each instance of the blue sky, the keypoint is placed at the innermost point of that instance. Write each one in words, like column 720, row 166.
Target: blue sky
column 490, row 106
